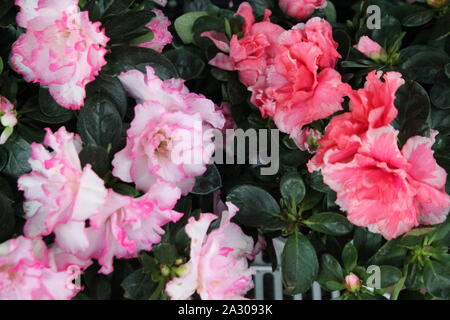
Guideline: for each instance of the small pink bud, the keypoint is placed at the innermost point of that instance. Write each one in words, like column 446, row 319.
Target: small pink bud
column 352, row 282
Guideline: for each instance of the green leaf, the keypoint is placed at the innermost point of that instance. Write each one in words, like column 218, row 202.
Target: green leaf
column 389, row 275
column 418, row 18
column 19, row 151
column 1, row 65
column 312, row 198
column 329, row 223
column 425, row 65
column 260, row 6
column 118, row 7
column 123, row 27
column 390, row 30
column 315, row 181
column 331, row 275
column 293, row 188
column 330, row 12
column 414, row 276
column 149, row 264
column 125, row 189
column 99, row 122
column 183, row 25
column 413, row 105
column 389, row 254
column 138, row 285
column 209, row 182
column 165, row 253
column 256, row 206
column 437, row 278
column 440, row 93
column 299, row 264
column 50, row 108
column 188, row 64
column 349, row 257
column 112, row 88
column 7, row 219
column 129, row 58
column 97, row 157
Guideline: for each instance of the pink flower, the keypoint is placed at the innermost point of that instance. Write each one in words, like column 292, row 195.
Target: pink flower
column 169, row 137
column 301, row 9
column 251, row 54
column 388, row 190
column 352, row 282
column 218, row 268
column 370, row 107
column 27, row 274
column 161, row 35
column 61, row 48
column 225, row 108
column 8, row 119
column 125, row 226
column 295, row 94
column 60, row 194
column 369, row 48
column 162, row 3
column 320, row 32
column 306, row 139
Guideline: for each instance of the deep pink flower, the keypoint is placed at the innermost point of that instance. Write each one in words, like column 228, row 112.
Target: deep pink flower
column 161, row 35
column 301, row 9
column 370, row 107
column 61, row 48
column 218, row 268
column 388, row 190
column 26, row 273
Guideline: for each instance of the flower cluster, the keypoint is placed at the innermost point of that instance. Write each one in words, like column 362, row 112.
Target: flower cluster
column 380, row 186
column 290, row 73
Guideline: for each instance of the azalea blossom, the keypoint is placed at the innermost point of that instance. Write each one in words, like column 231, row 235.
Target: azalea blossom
column 370, row 107
column 26, row 273
column 8, row 119
column 168, row 139
column 301, row 9
column 60, row 194
column 290, row 73
column 125, row 226
column 307, row 139
column 61, row 48
column 161, row 35
column 388, row 190
column 218, row 267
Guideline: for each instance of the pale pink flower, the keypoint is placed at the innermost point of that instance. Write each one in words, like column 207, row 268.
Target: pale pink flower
column 169, row 137
column 26, row 273
column 8, row 119
column 61, row 48
column 352, row 282
column 388, row 190
column 370, row 107
column 218, row 268
column 162, row 3
column 125, row 226
column 161, row 35
column 60, row 194
column 369, row 48
column 301, row 9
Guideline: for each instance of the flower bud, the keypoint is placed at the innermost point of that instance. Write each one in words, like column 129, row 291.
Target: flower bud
column 437, row 3
column 352, row 282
